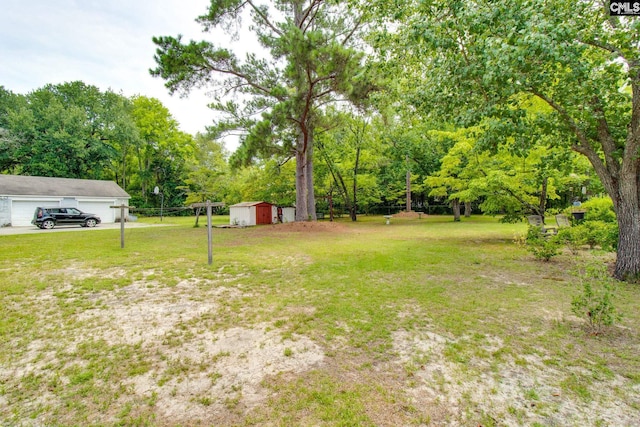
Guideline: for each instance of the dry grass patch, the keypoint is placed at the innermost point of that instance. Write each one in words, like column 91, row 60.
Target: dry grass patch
column 421, row 322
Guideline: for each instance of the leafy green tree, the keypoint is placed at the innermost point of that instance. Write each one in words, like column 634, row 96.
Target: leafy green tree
column 407, row 145
column 502, row 181
column 66, row 130
column 9, row 141
column 312, row 60
column 9, row 101
column 457, row 170
column 481, row 59
column 161, row 153
column 209, row 176
column 352, row 159
column 267, row 181
column 124, row 136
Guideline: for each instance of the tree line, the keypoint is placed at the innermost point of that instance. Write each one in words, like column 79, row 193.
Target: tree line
column 512, row 106
column 75, row 130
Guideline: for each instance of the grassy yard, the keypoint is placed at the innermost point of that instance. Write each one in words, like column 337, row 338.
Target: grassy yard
column 420, row 322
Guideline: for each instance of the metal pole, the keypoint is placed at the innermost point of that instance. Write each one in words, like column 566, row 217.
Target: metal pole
column 161, row 205
column 408, row 207
column 122, row 226
column 331, row 205
column 209, row 236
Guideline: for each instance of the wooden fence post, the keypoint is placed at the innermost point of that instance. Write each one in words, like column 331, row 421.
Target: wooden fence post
column 208, row 205
column 122, row 207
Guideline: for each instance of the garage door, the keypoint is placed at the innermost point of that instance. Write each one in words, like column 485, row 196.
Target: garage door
column 101, row 209
column 22, row 211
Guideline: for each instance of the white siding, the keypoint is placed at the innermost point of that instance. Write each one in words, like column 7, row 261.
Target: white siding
column 288, row 214
column 69, row 202
column 100, row 208
column 252, row 216
column 22, row 210
column 242, row 215
column 5, row 212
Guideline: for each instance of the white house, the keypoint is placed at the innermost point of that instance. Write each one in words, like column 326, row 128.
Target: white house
column 20, row 195
column 253, row 213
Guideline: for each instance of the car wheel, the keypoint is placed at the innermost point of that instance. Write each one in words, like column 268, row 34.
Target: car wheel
column 48, row 224
column 90, row 223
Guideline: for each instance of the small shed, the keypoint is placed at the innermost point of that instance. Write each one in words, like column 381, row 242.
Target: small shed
column 288, row 214
column 21, row 195
column 252, row 213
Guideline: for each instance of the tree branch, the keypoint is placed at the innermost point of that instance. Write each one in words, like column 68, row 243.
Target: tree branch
column 264, row 18
column 247, row 79
column 604, row 135
column 606, row 47
column 312, row 9
column 353, row 31
column 583, row 146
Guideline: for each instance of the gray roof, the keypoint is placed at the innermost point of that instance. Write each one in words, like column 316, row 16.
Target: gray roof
column 17, row 185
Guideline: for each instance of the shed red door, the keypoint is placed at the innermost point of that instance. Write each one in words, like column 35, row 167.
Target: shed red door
column 263, row 214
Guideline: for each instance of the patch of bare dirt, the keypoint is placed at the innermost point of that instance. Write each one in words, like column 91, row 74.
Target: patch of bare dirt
column 197, row 374
column 410, row 214
column 308, row 227
column 514, row 394
column 233, row 362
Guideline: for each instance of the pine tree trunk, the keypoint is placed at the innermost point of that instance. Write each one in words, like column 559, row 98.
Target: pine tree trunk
column 304, row 180
column 311, row 195
column 302, row 212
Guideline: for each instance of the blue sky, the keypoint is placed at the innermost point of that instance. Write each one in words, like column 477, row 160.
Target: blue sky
column 106, row 43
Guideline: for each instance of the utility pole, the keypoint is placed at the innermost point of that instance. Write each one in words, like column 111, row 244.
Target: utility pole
column 408, row 186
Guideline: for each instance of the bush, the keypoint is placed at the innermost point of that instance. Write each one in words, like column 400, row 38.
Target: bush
column 542, row 246
column 595, row 302
column 601, row 233
column 599, row 209
column 573, row 237
column 598, row 228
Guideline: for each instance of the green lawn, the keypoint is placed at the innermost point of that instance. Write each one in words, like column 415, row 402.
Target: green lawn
column 420, row 322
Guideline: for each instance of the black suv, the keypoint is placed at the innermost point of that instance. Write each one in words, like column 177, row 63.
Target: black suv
column 50, row 217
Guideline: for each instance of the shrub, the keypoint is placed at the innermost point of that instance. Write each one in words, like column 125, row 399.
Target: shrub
column 599, row 209
column 542, row 246
column 598, row 228
column 595, row 302
column 573, row 237
column 601, row 233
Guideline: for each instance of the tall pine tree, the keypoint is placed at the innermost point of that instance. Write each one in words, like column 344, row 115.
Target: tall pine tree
column 312, row 60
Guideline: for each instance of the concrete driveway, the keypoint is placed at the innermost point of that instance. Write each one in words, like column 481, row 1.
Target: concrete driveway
column 6, row 231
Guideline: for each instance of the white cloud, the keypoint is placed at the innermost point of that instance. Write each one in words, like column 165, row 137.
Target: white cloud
column 102, row 43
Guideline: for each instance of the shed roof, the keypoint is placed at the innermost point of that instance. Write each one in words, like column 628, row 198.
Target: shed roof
column 248, row 204
column 18, row 185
